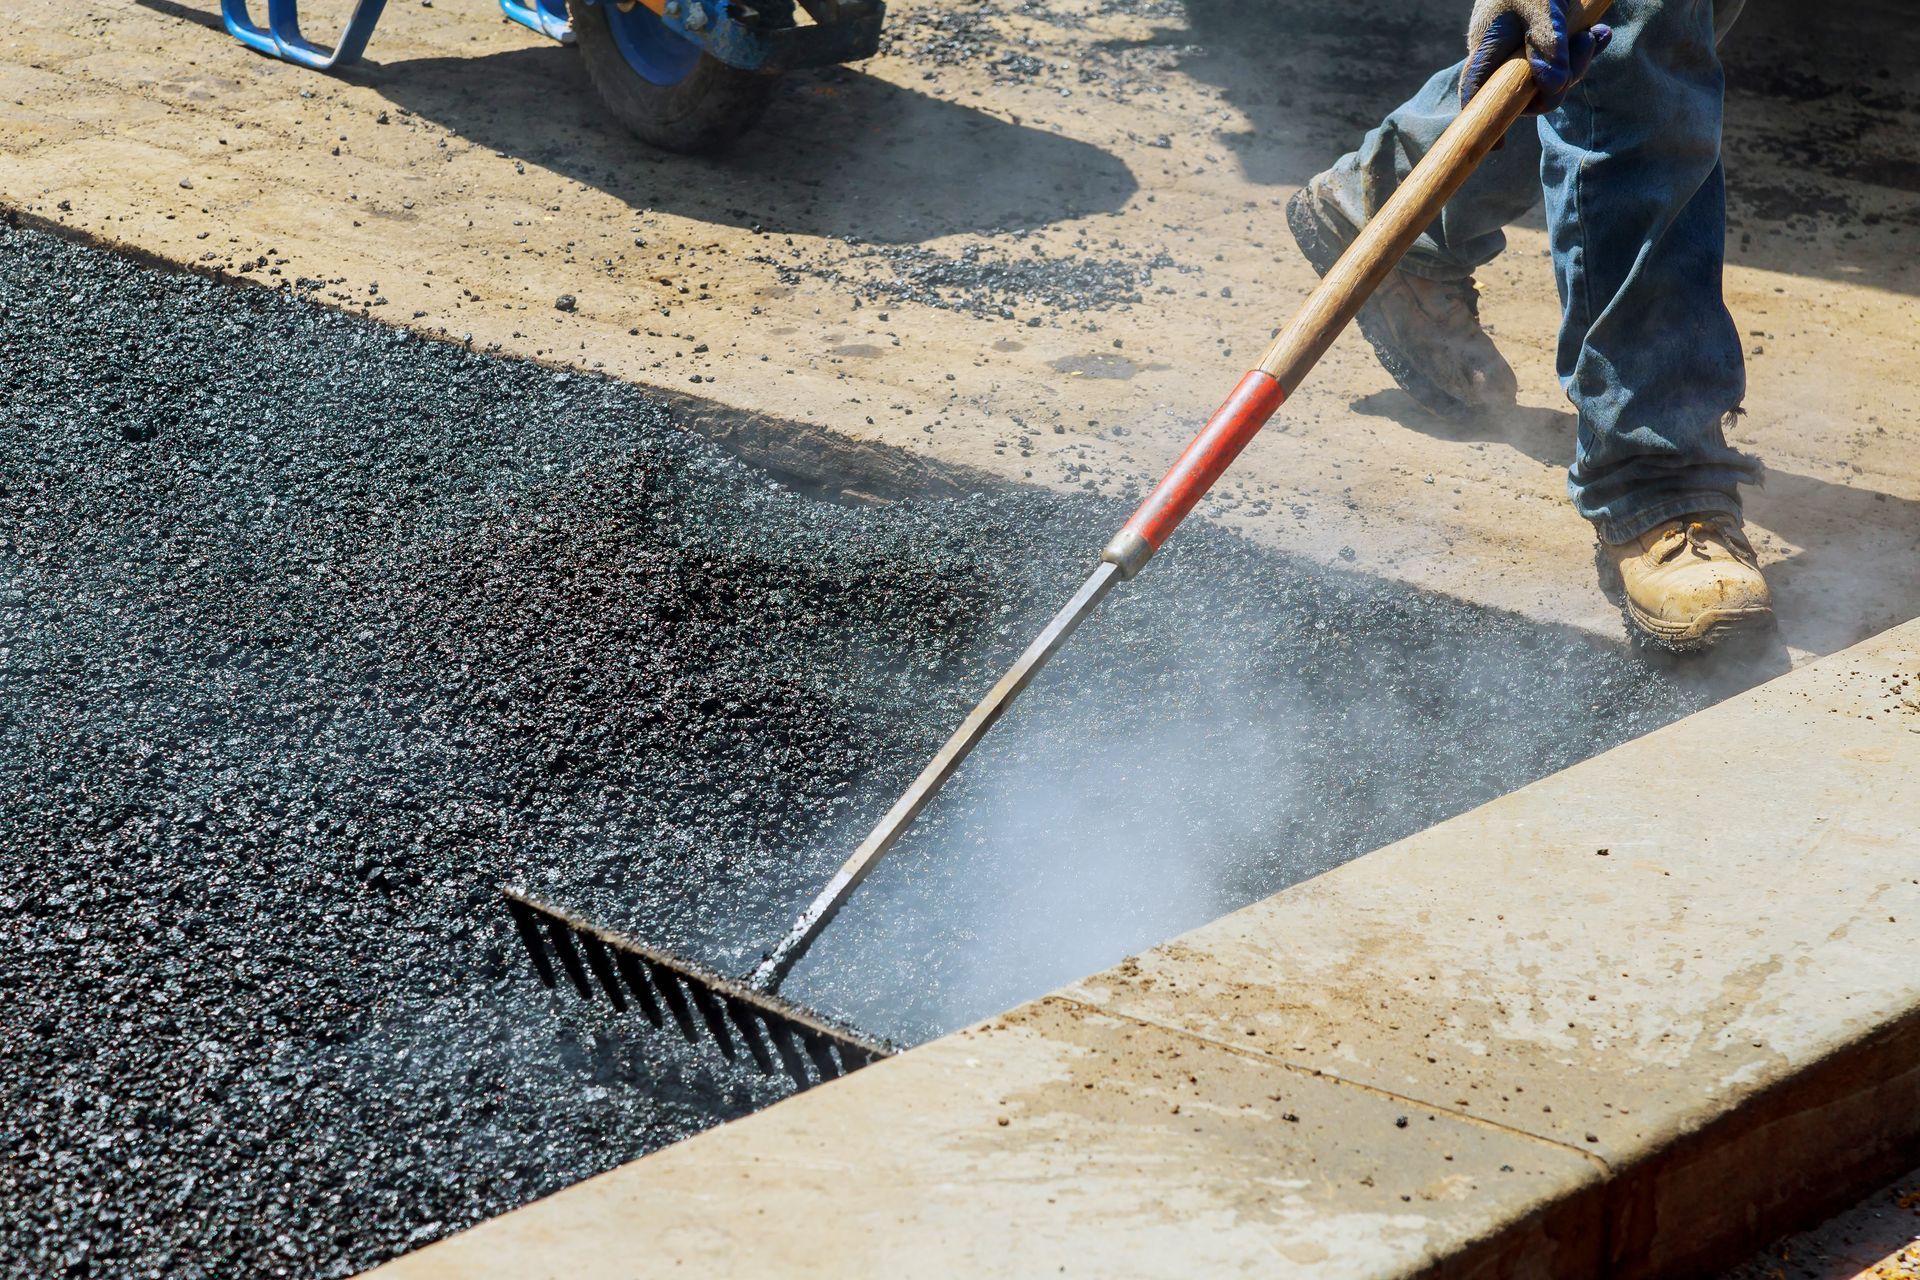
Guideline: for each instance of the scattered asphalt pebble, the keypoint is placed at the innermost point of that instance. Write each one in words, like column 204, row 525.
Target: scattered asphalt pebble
column 981, row 279
column 993, row 37
column 565, row 302
column 312, row 633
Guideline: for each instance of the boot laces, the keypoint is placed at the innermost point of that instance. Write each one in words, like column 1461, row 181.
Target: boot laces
column 1702, row 536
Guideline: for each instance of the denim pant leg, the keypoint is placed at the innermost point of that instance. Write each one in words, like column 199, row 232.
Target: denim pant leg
column 1469, row 233
column 1636, row 209
column 1648, row 354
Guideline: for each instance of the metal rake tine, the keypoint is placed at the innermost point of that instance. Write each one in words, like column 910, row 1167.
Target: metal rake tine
column 822, row 1054
column 560, row 933
column 667, row 983
column 714, row 1016
column 636, row 977
column 603, row 969
column 777, row 1035
column 528, row 925
column 783, row 1038
column 749, row 1028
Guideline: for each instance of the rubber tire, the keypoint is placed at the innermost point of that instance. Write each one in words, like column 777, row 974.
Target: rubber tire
column 703, row 113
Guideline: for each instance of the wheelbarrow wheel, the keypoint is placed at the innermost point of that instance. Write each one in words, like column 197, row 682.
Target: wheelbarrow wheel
column 661, row 86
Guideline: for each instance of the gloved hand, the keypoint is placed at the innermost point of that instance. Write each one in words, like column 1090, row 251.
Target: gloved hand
column 1501, row 28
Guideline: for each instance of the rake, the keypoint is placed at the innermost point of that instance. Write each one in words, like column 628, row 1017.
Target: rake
column 748, row 1015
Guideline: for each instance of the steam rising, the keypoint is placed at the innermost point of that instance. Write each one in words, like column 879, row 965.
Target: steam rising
column 1252, row 723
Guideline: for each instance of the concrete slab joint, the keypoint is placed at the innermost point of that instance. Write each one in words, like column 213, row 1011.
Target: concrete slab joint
column 1613, row 1024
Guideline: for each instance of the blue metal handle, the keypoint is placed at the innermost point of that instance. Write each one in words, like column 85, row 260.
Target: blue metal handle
column 281, row 37
column 548, row 17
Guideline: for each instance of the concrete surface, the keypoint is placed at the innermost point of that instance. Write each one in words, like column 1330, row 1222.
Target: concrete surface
column 1058, row 1141
column 1128, row 158
column 1636, row 1016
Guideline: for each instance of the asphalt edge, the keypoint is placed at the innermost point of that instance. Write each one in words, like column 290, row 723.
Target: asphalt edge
column 804, row 456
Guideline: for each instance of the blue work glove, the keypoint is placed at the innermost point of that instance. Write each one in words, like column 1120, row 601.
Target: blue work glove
column 1501, row 28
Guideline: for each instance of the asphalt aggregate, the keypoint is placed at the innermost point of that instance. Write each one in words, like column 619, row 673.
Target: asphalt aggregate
column 313, row 633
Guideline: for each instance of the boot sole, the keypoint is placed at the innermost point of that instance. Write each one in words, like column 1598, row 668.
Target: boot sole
column 1322, row 247
column 1706, row 631
column 1710, row 629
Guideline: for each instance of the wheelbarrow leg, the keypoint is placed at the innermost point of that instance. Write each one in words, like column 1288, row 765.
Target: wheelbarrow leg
column 548, row 17
column 281, row 37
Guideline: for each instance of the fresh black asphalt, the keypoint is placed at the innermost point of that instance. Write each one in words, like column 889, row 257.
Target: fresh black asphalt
column 313, row 633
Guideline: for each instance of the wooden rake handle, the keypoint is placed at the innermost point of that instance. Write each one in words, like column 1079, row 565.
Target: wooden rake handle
column 1338, row 298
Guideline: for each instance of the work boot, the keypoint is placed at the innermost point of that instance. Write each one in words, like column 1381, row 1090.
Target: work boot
column 1426, row 332
column 1689, row 583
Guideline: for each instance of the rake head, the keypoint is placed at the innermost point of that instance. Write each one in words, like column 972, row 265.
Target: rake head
column 671, row 993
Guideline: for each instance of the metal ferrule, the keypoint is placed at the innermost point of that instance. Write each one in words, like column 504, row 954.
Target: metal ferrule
column 1128, row 552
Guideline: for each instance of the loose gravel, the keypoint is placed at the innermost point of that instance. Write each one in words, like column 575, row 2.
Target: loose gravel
column 313, row 633
column 980, row 279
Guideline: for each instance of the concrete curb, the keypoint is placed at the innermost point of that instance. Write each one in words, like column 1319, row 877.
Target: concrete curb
column 1628, row 1021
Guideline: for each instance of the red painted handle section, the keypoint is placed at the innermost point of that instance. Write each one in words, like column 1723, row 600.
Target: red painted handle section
column 1207, row 458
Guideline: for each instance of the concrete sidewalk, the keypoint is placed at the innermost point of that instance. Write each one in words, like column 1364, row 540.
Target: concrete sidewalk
column 1629, row 1021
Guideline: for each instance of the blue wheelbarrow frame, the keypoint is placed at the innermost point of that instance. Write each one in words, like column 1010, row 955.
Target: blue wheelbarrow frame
column 752, row 37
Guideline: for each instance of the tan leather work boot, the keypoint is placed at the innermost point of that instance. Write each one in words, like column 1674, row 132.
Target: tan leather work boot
column 1689, row 583
column 1426, row 333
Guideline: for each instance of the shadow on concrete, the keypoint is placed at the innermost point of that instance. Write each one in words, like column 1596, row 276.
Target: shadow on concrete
column 210, row 19
column 1545, row 435
column 1822, row 110
column 1859, row 571
column 841, row 153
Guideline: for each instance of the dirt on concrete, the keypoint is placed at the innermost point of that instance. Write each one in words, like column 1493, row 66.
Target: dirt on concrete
column 313, row 632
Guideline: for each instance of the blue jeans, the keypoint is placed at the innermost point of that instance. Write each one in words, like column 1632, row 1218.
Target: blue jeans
column 1636, row 215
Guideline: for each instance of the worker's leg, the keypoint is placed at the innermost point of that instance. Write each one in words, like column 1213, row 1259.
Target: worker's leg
column 1649, row 356
column 1424, row 319
column 1636, row 209
column 1469, row 232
